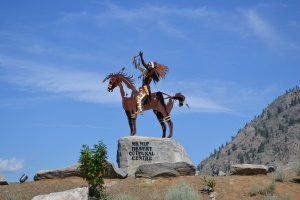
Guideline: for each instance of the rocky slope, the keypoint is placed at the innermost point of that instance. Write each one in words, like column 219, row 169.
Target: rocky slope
column 272, row 139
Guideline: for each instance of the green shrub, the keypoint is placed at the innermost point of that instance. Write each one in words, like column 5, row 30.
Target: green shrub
column 279, row 175
column 297, row 167
column 182, row 191
column 93, row 167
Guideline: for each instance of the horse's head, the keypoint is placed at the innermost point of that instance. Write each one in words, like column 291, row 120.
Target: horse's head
column 113, row 82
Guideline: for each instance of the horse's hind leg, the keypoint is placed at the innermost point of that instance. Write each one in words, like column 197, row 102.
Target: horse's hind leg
column 160, row 118
column 161, row 107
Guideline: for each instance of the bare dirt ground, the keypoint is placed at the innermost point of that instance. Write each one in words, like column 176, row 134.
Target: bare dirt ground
column 227, row 187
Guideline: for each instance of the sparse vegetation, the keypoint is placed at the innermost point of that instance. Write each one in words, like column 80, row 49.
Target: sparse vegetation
column 279, row 175
column 266, row 190
column 182, row 191
column 271, row 197
column 297, row 167
column 12, row 197
column 209, row 182
column 234, row 147
column 124, row 197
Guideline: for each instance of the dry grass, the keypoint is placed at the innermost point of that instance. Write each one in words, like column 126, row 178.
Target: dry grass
column 228, row 187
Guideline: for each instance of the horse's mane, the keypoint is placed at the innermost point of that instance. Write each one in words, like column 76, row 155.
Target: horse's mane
column 128, row 79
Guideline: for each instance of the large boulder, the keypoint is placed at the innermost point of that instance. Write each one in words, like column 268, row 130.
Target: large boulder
column 113, row 172
column 134, row 151
column 249, row 169
column 3, row 180
column 165, row 170
column 77, row 193
column 58, row 173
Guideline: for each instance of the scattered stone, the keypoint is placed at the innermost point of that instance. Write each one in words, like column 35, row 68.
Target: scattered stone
column 215, row 172
column 213, row 195
column 77, row 193
column 58, row 173
column 221, row 173
column 165, row 170
column 271, row 169
column 3, row 180
column 249, row 169
column 23, row 178
column 134, row 151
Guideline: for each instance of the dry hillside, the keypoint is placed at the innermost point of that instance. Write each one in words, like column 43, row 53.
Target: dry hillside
column 272, row 139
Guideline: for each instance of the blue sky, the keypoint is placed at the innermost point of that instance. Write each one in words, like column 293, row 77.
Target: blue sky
column 230, row 59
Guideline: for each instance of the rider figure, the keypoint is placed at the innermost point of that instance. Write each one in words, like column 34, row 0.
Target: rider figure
column 152, row 71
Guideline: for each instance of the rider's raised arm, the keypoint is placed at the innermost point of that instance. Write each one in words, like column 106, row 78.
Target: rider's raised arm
column 142, row 59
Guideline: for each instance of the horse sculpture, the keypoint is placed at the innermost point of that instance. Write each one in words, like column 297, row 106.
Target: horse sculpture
column 157, row 103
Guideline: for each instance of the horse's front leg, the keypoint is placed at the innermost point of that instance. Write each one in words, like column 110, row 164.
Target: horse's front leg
column 133, row 120
column 130, row 121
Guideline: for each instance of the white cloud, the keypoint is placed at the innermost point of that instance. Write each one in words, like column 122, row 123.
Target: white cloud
column 260, row 26
column 78, row 85
column 266, row 30
column 11, row 165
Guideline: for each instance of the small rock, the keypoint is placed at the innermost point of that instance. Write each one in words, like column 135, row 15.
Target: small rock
column 23, row 178
column 221, row 173
column 271, row 169
column 215, row 172
column 114, row 172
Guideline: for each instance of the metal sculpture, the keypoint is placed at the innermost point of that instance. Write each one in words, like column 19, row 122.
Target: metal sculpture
column 156, row 102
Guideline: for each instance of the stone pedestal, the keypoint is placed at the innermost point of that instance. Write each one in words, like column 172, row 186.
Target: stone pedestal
column 134, row 151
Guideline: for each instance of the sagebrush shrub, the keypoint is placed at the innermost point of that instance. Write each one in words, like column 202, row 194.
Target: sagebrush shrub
column 279, row 175
column 297, row 167
column 12, row 197
column 266, row 190
column 271, row 197
column 182, row 191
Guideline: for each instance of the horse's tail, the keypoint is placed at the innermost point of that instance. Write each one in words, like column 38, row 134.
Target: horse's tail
column 180, row 97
